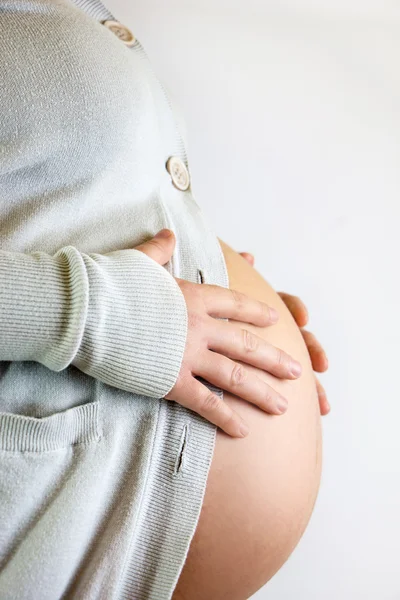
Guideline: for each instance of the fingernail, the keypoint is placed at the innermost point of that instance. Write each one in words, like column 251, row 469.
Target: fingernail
column 273, row 314
column 164, row 233
column 243, row 429
column 295, row 368
column 282, row 404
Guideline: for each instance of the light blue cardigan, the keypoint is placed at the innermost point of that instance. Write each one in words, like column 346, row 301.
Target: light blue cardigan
column 101, row 478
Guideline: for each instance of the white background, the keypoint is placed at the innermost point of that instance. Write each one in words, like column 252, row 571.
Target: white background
column 293, row 117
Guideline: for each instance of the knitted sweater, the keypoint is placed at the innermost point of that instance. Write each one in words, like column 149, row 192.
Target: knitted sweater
column 92, row 331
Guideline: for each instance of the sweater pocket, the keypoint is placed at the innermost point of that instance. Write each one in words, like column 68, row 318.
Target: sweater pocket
column 53, row 481
column 77, row 425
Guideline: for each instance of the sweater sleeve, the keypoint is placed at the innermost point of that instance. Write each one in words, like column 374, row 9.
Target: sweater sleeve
column 119, row 317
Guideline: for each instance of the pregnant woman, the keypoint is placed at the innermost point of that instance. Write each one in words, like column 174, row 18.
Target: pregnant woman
column 129, row 363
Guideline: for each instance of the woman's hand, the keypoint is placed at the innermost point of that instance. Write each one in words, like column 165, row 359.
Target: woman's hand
column 212, row 346
column 318, row 357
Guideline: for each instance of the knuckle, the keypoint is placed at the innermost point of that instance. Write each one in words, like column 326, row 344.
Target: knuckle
column 265, row 310
column 195, row 319
column 313, row 339
column 237, row 298
column 210, row 402
column 281, row 358
column 238, row 375
column 268, row 397
column 156, row 243
column 250, row 342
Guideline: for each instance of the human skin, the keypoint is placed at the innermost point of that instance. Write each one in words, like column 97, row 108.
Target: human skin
column 317, row 354
column 234, row 341
column 214, row 348
column 261, row 489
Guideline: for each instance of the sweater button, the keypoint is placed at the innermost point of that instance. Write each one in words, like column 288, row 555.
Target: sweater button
column 179, row 173
column 121, row 31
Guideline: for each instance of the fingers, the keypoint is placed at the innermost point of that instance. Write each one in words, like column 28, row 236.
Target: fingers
column 197, row 397
column 249, row 257
column 296, row 307
column 235, row 378
column 324, row 405
column 239, row 343
column 300, row 314
column 318, row 357
column 232, row 304
column 160, row 247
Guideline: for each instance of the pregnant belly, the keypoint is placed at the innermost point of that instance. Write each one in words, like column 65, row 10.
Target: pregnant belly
column 285, row 335
column 261, row 489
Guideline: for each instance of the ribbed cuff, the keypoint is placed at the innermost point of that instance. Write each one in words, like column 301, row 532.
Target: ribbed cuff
column 43, row 306
column 136, row 327
column 119, row 317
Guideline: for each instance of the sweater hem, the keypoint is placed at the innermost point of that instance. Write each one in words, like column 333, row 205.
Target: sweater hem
column 184, row 444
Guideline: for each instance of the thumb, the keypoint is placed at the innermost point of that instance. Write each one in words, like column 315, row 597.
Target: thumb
column 160, row 247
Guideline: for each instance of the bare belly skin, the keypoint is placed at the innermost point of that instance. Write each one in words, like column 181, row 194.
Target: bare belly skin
column 261, row 489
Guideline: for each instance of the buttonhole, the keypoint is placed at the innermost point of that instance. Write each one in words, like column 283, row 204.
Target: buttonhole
column 200, row 275
column 182, row 447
